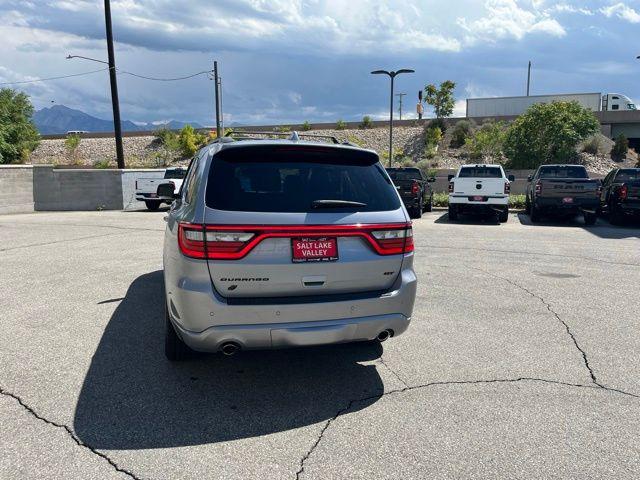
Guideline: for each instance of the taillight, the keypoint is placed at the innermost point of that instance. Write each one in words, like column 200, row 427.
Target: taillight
column 232, row 242
column 538, row 188
column 395, row 241
column 415, row 188
column 450, row 187
column 598, row 191
column 507, row 188
column 136, row 184
column 623, row 192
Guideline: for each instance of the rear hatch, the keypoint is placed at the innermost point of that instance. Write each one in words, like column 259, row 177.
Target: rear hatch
column 568, row 188
column 302, row 220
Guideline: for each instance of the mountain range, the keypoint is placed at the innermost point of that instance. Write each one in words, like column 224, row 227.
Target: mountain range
column 59, row 119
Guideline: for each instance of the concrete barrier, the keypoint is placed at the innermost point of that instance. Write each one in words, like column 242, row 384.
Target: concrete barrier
column 16, row 189
column 76, row 189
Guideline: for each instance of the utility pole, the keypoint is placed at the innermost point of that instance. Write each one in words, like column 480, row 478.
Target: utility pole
column 400, row 95
column 528, row 78
column 117, row 127
column 216, row 81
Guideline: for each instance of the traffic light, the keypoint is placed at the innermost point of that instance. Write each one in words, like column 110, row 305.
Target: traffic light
column 420, row 95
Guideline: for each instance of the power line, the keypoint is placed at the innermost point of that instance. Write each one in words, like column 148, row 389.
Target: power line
column 35, row 80
column 164, row 79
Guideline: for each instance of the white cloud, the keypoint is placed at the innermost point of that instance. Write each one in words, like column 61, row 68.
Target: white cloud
column 622, row 11
column 506, row 19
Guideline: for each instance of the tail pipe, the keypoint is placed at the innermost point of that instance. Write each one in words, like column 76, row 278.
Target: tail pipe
column 230, row 348
column 383, row 335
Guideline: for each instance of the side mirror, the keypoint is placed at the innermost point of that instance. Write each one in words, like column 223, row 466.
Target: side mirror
column 529, row 178
column 431, row 179
column 512, row 178
column 449, row 177
column 166, row 190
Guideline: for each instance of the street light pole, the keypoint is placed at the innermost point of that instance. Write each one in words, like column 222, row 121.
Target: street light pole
column 216, row 81
column 400, row 95
column 528, row 77
column 117, row 127
column 392, row 75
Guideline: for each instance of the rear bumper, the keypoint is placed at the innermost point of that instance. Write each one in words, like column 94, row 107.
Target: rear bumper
column 557, row 204
column 493, row 201
column 294, row 334
column 142, row 197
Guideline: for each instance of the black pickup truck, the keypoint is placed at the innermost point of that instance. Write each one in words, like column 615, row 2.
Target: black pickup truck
column 415, row 190
column 620, row 197
column 563, row 190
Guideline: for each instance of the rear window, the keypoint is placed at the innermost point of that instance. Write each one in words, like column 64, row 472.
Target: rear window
column 480, row 172
column 175, row 174
column 562, row 171
column 290, row 179
column 628, row 175
column 409, row 174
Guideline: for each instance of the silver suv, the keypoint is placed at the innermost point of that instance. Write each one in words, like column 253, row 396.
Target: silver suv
column 285, row 243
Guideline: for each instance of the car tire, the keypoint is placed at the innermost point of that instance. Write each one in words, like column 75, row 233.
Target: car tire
column 429, row 206
column 174, row 348
column 417, row 212
column 589, row 218
column 527, row 205
column 615, row 216
column 152, row 205
column 453, row 213
column 503, row 216
column 534, row 214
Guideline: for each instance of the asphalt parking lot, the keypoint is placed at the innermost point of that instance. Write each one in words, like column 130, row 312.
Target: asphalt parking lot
column 522, row 361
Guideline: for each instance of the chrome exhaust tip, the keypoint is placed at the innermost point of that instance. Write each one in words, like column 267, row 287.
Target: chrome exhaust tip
column 383, row 335
column 230, row 348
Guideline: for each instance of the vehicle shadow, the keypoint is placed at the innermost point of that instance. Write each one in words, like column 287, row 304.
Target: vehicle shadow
column 133, row 398
column 479, row 219
column 602, row 228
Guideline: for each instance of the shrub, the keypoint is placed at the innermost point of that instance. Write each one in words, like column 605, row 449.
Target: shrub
column 407, row 163
column 440, row 199
column 593, row 145
column 71, row 143
column 341, row 125
column 425, row 168
column 548, row 133
column 306, row 126
column 190, row 141
column 282, row 129
column 437, row 123
column 461, row 131
column 366, row 122
column 487, row 141
column 432, row 138
column 517, row 201
column 104, row 163
column 620, row 147
column 355, row 140
column 18, row 134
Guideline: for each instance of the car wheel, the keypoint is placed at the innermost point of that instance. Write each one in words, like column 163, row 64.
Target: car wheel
column 429, row 206
column 417, row 212
column 534, row 213
column 152, row 205
column 527, row 205
column 590, row 218
column 174, row 348
column 503, row 216
column 615, row 216
column 453, row 213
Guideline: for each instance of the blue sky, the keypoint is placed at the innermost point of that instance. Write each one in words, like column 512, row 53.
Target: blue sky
column 296, row 60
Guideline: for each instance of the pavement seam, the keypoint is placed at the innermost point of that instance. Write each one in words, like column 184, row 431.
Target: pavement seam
column 70, row 433
column 585, row 359
column 443, row 383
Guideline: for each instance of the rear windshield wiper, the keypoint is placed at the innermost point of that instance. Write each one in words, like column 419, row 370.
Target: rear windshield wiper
column 336, row 204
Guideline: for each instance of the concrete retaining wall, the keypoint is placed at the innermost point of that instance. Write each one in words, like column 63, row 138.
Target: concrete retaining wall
column 16, row 189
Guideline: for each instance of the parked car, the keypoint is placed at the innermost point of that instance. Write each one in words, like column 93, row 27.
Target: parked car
column 563, row 190
column 479, row 189
column 285, row 243
column 620, row 196
column 415, row 190
column 147, row 188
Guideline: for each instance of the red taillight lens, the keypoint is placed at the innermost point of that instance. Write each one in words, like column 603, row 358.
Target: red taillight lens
column 196, row 242
column 191, row 240
column 623, row 192
column 538, row 188
column 415, row 188
column 394, row 241
column 507, row 188
column 450, row 187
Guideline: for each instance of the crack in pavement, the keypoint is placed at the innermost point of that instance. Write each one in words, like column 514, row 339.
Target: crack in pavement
column 351, row 403
column 395, row 374
column 70, row 433
column 585, row 359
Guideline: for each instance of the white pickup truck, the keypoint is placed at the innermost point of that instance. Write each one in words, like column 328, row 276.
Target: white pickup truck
column 479, row 189
column 147, row 188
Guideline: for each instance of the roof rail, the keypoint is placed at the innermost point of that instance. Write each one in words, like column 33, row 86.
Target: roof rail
column 293, row 136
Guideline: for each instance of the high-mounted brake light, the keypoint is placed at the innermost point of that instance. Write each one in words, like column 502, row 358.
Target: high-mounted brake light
column 415, row 188
column 538, row 188
column 623, row 192
column 232, row 242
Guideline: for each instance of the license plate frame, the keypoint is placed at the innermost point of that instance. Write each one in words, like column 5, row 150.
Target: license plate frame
column 567, row 200
column 477, row 198
column 314, row 249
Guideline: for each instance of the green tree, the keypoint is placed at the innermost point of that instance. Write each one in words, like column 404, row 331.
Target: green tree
column 620, row 147
column 441, row 99
column 190, row 141
column 548, row 133
column 18, row 134
column 487, row 141
column 366, row 122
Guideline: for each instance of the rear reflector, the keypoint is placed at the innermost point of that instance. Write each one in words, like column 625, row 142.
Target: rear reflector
column 232, row 242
